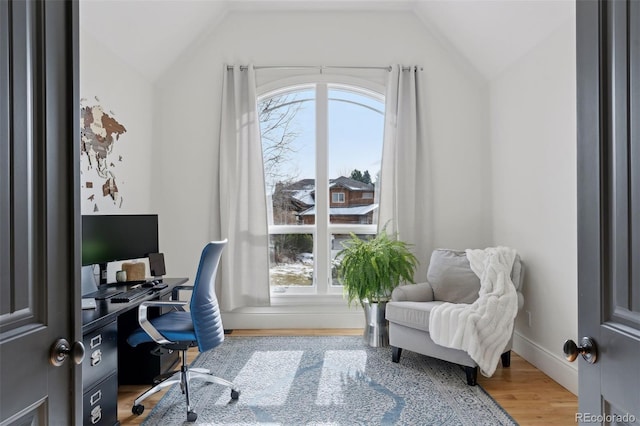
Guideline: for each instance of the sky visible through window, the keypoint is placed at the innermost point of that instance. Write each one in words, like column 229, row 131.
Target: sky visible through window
column 355, row 133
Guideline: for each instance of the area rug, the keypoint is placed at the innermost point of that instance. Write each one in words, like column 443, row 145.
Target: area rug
column 337, row 380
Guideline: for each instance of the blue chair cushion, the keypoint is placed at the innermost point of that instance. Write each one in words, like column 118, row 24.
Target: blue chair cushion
column 175, row 326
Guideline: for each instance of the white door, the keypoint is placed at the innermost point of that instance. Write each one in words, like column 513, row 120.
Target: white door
column 39, row 219
column 608, row 52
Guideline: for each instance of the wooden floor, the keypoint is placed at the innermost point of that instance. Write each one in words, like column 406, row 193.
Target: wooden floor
column 527, row 394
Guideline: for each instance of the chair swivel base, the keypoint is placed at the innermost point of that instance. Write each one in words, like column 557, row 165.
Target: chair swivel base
column 177, row 377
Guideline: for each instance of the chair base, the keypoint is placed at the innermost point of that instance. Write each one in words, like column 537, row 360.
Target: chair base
column 470, row 372
column 419, row 341
column 184, row 377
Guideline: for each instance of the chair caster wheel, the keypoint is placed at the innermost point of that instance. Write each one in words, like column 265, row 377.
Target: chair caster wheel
column 191, row 416
column 235, row 394
column 137, row 409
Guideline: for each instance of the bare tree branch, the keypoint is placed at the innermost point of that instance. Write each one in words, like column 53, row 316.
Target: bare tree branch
column 278, row 130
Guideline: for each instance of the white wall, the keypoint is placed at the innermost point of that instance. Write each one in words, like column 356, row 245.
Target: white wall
column 533, row 145
column 126, row 96
column 188, row 111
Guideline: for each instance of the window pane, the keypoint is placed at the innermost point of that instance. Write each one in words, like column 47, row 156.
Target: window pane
column 287, row 125
column 337, row 197
column 356, row 125
column 338, row 242
column 291, row 260
column 292, row 147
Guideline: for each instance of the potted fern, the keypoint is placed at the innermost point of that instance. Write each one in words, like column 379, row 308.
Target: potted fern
column 369, row 270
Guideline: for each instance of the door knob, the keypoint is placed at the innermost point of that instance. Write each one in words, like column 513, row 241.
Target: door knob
column 587, row 349
column 61, row 349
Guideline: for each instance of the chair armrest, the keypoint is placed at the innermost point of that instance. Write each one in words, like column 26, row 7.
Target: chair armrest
column 420, row 292
column 143, row 320
column 176, row 289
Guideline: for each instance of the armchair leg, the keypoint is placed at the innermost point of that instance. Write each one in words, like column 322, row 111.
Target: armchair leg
column 506, row 359
column 472, row 375
column 395, row 354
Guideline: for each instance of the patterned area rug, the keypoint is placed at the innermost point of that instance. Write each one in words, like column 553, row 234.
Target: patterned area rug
column 328, row 381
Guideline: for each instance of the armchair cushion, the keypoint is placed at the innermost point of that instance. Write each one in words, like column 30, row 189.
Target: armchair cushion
column 451, row 277
column 410, row 314
column 421, row 292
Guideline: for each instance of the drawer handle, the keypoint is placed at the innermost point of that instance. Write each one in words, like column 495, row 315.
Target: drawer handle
column 95, row 397
column 96, row 415
column 96, row 357
column 96, row 341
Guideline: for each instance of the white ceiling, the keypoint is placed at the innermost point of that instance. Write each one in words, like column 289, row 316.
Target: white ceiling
column 491, row 34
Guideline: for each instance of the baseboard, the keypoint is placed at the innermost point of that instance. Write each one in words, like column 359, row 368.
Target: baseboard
column 309, row 316
column 553, row 365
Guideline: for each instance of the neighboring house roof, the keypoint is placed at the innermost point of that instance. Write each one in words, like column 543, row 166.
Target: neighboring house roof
column 303, row 190
column 300, row 184
column 352, row 184
column 300, row 191
column 343, row 211
column 304, row 196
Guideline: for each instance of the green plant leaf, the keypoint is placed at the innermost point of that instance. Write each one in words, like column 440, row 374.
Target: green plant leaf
column 371, row 269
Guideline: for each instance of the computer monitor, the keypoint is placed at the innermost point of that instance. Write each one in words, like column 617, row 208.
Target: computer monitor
column 110, row 238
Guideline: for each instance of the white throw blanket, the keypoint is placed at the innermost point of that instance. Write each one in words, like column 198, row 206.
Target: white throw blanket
column 482, row 328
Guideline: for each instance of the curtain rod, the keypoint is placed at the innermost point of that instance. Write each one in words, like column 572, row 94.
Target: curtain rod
column 318, row 67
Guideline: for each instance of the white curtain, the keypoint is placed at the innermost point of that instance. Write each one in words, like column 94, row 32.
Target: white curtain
column 244, row 267
column 405, row 176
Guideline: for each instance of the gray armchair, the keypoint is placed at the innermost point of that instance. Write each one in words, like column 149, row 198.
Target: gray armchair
column 450, row 279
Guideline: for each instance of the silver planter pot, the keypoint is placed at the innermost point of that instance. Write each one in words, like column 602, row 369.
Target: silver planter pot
column 376, row 330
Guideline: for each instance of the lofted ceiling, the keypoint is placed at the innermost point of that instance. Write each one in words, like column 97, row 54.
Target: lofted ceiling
column 149, row 35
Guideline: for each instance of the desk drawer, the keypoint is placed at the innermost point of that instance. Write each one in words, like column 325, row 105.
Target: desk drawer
column 101, row 354
column 100, row 403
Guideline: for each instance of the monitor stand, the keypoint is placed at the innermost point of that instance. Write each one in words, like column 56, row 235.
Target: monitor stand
column 103, row 273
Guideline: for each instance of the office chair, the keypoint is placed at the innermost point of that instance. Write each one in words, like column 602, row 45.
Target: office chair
column 180, row 330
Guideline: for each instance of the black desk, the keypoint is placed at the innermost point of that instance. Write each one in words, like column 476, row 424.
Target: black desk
column 110, row 361
column 106, row 311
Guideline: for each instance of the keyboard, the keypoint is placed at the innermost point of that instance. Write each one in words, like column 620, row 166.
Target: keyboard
column 130, row 295
column 103, row 294
column 107, row 291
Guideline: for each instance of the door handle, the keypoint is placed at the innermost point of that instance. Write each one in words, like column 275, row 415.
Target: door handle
column 587, row 349
column 61, row 349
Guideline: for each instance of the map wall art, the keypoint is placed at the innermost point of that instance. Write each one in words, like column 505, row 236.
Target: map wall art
column 100, row 133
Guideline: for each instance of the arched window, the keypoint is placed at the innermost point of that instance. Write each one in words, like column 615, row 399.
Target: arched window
column 322, row 148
